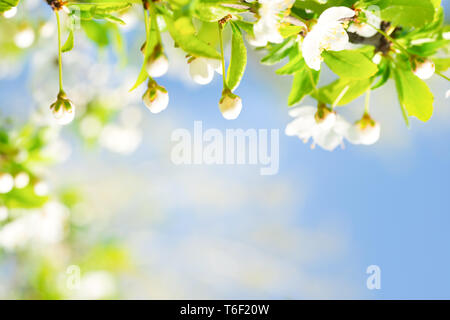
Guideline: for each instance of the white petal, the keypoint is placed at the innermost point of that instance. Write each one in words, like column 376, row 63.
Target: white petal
column 303, row 127
column 311, row 50
column 303, row 111
column 216, row 65
column 334, row 14
column 341, row 126
column 367, row 136
column 231, row 107
column 158, row 67
column 425, row 70
column 201, row 71
column 328, row 140
column 336, row 38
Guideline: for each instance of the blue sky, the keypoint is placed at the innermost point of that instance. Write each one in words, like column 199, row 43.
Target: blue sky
column 387, row 205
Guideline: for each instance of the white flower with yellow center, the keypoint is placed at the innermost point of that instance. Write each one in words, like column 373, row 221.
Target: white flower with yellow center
column 266, row 29
column 325, row 127
column 328, row 34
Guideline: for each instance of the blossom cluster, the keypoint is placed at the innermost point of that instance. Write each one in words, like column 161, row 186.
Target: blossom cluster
column 359, row 41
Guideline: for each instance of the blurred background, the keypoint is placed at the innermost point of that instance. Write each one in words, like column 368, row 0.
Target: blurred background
column 134, row 225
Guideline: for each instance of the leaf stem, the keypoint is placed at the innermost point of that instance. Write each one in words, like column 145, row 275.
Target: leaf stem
column 152, row 11
column 59, row 52
column 225, row 86
column 367, row 102
column 442, row 75
column 340, row 96
column 402, row 48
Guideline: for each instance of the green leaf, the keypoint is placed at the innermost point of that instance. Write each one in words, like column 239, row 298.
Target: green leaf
column 150, row 45
column 278, row 52
column 353, row 89
column 429, row 48
column 102, row 7
column 183, row 33
column 5, row 5
column 384, row 74
column 305, row 81
column 294, row 65
column 411, row 13
column 213, row 10
column 350, row 64
column 246, row 26
column 238, row 60
column 287, row 31
column 442, row 64
column 415, row 97
column 97, row 32
column 68, row 45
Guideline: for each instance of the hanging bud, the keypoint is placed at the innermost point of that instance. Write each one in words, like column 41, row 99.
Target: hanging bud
column 156, row 98
column 365, row 131
column 6, row 182
column 424, row 69
column 202, row 69
column 230, row 105
column 62, row 109
column 157, row 65
column 325, row 117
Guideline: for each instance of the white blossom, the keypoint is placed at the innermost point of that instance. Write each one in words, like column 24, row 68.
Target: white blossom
column 156, row 99
column 8, row 14
column 328, row 34
column 41, row 189
column 230, row 105
column 37, row 227
column 266, row 29
column 366, row 30
column 63, row 110
column 157, row 67
column 202, row 69
column 24, row 38
column 6, row 182
column 424, row 69
column 21, row 180
column 325, row 127
column 365, row 131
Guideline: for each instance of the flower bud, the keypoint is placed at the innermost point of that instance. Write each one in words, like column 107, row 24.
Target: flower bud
column 365, row 131
column 202, row 69
column 6, row 182
column 157, row 66
column 230, row 105
column 156, row 98
column 63, row 110
column 424, row 69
